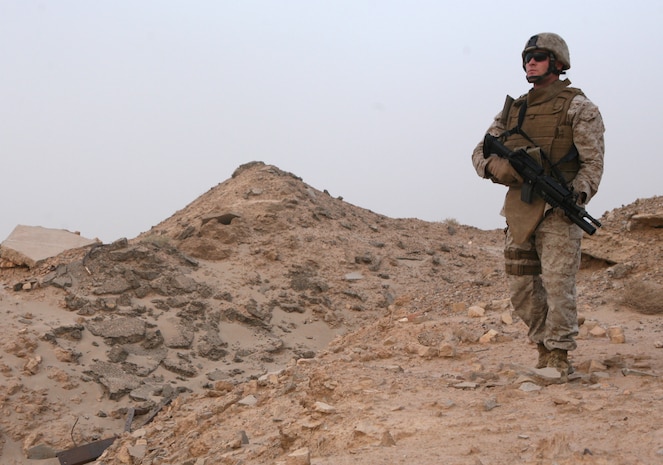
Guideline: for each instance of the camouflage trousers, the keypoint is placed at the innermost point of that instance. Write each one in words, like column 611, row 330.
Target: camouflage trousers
column 542, row 280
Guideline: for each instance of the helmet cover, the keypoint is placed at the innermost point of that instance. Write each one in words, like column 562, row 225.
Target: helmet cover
column 552, row 43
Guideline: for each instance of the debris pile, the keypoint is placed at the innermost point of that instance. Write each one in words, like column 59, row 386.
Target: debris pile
column 269, row 322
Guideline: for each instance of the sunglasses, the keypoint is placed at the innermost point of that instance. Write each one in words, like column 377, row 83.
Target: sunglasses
column 538, row 56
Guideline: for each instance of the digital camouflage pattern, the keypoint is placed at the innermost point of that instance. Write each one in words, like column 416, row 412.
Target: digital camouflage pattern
column 543, row 291
column 588, row 129
column 552, row 43
column 546, row 302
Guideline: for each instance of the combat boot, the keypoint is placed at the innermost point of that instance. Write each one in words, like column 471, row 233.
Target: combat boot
column 544, row 355
column 559, row 359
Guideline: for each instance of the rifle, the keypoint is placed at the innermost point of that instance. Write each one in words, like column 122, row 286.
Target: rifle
column 537, row 182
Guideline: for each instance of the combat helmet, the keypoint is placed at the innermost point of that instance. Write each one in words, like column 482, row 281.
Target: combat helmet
column 552, row 43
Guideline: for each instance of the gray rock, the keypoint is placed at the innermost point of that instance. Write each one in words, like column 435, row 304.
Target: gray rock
column 114, row 379
column 179, row 336
column 529, row 387
column 41, row 452
column 119, row 330
column 180, row 367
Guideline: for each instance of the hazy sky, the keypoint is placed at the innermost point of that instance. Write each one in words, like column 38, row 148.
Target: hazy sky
column 116, row 114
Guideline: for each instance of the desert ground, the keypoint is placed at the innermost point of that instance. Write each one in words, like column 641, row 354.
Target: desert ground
column 269, row 322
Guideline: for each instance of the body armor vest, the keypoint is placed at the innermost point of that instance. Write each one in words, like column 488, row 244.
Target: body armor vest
column 539, row 120
column 546, row 124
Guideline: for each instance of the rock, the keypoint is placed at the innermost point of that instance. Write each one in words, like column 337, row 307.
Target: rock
column 114, row 285
column 616, row 335
column 611, row 248
column 31, row 367
column 223, row 218
column 249, row 400
column 488, row 337
column 115, row 380
column 223, row 386
column 119, row 330
column 446, row 349
column 368, row 428
column 598, row 376
column 620, row 270
column 69, row 332
column 416, row 318
column 124, row 457
column 529, row 387
column 466, row 385
column 179, row 366
column 565, row 400
column 547, row 372
column 354, row 276
column 177, row 335
column 646, row 220
column 595, row 365
column 299, row 457
column 270, row 378
column 429, row 337
column 66, row 355
column 475, row 311
column 32, row 245
column 427, row 352
column 501, row 305
column 597, row 331
column 387, row 440
column 145, row 392
column 540, row 376
column 490, row 404
column 41, row 452
column 137, row 451
column 323, row 408
column 458, row 307
column 144, row 364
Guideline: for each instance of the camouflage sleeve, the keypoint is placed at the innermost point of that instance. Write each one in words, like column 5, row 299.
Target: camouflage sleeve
column 588, row 133
column 479, row 162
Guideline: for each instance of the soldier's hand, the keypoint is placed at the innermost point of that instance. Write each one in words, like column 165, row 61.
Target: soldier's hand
column 500, row 170
column 580, row 198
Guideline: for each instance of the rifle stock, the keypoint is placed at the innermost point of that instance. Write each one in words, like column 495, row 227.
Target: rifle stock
column 536, row 181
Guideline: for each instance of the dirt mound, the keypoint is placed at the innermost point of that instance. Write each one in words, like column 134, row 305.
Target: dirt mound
column 268, row 322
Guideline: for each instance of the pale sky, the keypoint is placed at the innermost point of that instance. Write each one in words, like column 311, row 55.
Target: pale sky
column 116, row 114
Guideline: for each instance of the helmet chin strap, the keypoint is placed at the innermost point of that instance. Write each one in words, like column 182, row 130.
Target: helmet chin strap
column 535, row 79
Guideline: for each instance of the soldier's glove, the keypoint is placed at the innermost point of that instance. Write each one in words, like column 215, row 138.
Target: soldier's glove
column 501, row 171
column 580, row 198
column 580, row 189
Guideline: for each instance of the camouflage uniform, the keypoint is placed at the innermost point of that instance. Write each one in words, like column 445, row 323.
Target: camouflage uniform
column 542, row 264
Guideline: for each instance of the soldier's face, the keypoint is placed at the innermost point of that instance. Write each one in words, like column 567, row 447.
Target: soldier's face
column 536, row 63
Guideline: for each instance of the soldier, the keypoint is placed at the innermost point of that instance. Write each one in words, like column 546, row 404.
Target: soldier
column 563, row 130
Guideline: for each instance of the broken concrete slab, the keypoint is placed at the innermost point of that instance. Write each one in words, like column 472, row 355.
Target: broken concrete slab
column 113, row 378
column 646, row 220
column 611, row 248
column 119, row 330
column 31, row 245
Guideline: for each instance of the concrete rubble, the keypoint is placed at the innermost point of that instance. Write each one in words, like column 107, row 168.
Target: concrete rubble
column 31, row 245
